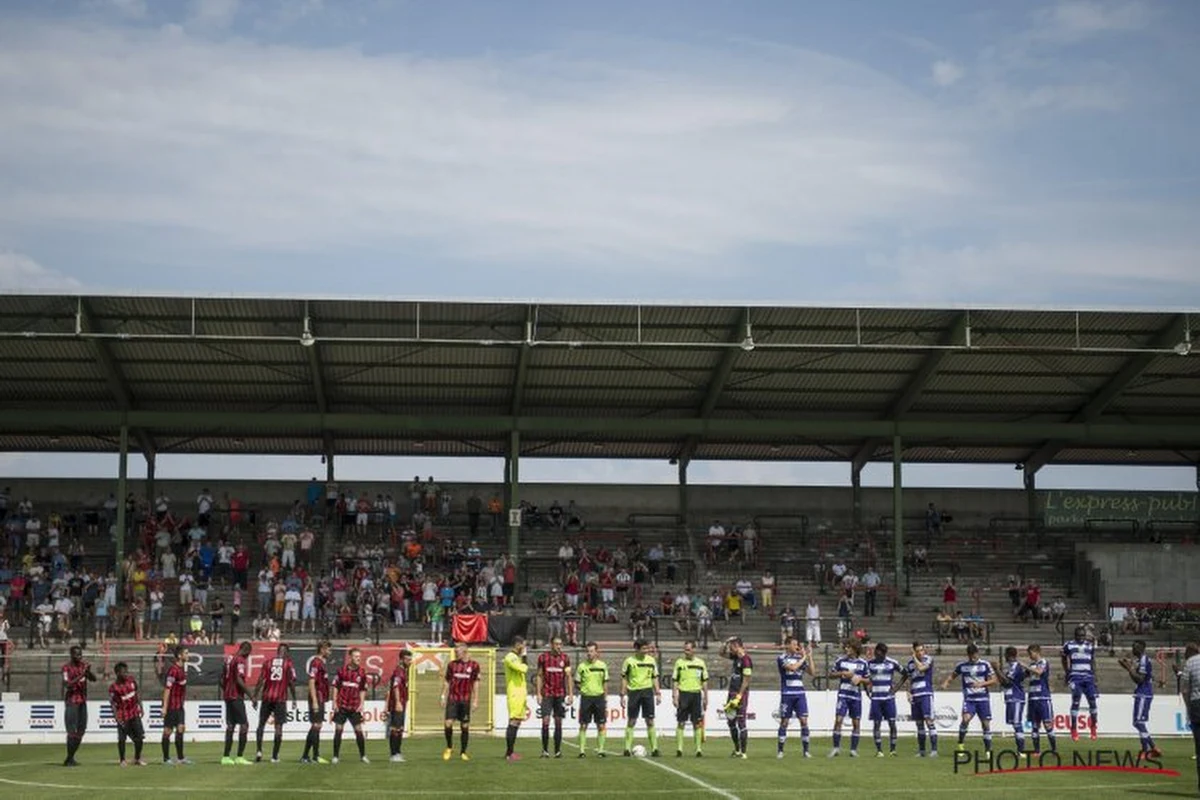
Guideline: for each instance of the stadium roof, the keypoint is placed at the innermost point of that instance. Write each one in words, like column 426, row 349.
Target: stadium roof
column 395, row 377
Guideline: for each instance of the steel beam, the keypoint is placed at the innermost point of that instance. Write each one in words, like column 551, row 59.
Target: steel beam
column 913, row 387
column 898, row 511
column 122, row 521
column 716, row 385
column 524, row 352
column 114, row 377
column 1173, row 432
column 316, row 369
column 1110, row 391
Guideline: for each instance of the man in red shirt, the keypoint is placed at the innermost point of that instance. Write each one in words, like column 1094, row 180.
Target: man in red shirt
column 275, row 682
column 75, row 675
column 459, row 698
column 351, row 685
column 397, row 704
column 127, row 711
column 554, row 686
column 174, row 695
column 233, row 690
column 318, row 696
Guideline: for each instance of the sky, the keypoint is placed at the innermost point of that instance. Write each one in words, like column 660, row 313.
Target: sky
column 927, row 152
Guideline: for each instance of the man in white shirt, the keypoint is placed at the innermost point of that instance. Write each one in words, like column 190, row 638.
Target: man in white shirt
column 812, row 622
column 288, row 543
column 167, row 564
column 870, row 582
column 204, row 504
column 838, row 572
column 162, row 504
column 33, row 534
column 716, row 537
column 307, row 537
column 746, row 589
column 291, row 609
column 1189, row 686
column 750, row 545
column 767, row 584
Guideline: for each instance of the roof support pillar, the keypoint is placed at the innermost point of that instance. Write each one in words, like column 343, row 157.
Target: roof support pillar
column 738, row 332
column 897, row 511
column 1031, row 505
column 683, row 495
column 329, row 467
column 512, row 465
column 151, row 496
column 122, row 521
column 856, row 498
column 112, row 374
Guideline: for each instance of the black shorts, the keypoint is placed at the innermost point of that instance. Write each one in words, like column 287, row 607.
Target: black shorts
column 75, row 718
column 316, row 714
column 640, row 703
column 270, row 708
column 133, row 729
column 593, row 710
column 235, row 713
column 460, row 711
column 173, row 718
column 396, row 720
column 342, row 716
column 690, row 709
column 553, row 707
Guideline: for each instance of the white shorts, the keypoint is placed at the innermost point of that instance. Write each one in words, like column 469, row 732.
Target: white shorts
column 812, row 631
column 310, row 612
column 572, row 600
column 291, row 612
column 361, row 519
column 606, row 595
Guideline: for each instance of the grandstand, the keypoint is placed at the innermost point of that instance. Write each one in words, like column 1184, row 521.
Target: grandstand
column 181, row 375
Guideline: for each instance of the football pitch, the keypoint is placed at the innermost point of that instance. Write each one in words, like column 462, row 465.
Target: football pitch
column 36, row 771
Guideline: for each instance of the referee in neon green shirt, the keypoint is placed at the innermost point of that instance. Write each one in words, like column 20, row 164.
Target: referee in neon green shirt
column 689, row 692
column 640, row 692
column 591, row 676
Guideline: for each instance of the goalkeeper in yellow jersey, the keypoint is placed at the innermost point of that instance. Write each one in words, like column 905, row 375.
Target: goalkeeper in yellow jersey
column 516, row 674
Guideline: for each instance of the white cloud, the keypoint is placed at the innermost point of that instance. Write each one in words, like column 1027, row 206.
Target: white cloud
column 1076, row 20
column 21, row 273
column 539, row 158
column 133, row 9
column 946, row 72
column 212, row 14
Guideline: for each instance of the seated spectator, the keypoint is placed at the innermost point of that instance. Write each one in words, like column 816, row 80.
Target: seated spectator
column 639, row 622
column 837, row 573
column 787, row 623
column 746, row 590
column 556, row 515
column 961, row 629
column 666, row 603
column 716, row 537
column 733, row 605
column 921, row 559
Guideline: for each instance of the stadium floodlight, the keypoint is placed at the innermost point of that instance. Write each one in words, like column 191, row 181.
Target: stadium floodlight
column 306, row 338
column 1185, row 346
column 748, row 342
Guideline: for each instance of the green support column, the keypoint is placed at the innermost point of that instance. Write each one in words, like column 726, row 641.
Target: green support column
column 898, row 508
column 151, row 494
column 856, row 498
column 329, row 468
column 683, row 496
column 514, row 479
column 1031, row 504
column 122, row 491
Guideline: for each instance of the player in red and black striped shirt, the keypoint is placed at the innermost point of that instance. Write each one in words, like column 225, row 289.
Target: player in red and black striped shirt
column 459, row 698
column 554, row 686
column 127, row 711
column 233, row 691
column 174, row 695
column 397, row 703
column 275, row 682
column 318, row 696
column 351, row 685
column 75, row 674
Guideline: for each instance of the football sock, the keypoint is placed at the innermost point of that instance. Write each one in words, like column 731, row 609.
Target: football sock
column 582, row 739
column 1074, row 717
column 743, row 733
column 698, row 738
column 933, row 740
column 361, row 741
column 121, row 744
column 137, row 748
column 316, row 734
column 962, row 733
column 1037, row 740
column 557, row 735
column 228, row 741
column 1019, row 736
column 628, row 738
column 600, row 739
column 243, row 735
column 278, row 741
column 837, row 739
column 449, row 737
column 464, row 737
column 892, row 735
column 1053, row 741
column 733, row 734
column 987, row 740
column 1144, row 735
column 258, row 737
column 652, row 735
column 337, row 742
column 854, row 735
column 166, row 745
column 393, row 741
column 877, row 734
column 782, row 737
column 179, row 745
column 679, row 739
column 510, row 740
column 921, row 739
column 804, row 736
column 546, row 735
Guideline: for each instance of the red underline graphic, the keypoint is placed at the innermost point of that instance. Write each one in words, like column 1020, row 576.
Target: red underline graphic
column 1170, row 773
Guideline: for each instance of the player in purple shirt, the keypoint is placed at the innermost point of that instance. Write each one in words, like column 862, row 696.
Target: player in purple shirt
column 1040, row 709
column 977, row 676
column 1141, row 670
column 851, row 670
column 881, row 672
column 918, row 673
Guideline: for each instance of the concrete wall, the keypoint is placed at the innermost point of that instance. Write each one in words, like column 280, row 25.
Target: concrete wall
column 1144, row 573
column 602, row 503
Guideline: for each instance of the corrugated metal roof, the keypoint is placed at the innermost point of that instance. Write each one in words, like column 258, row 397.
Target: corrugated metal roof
column 461, row 358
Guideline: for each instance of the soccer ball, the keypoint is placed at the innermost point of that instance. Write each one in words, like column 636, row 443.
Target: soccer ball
column 639, row 751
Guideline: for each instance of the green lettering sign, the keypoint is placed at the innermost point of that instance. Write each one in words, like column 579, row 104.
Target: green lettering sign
column 1073, row 508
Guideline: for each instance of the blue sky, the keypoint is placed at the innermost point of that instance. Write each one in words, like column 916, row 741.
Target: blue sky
column 922, row 152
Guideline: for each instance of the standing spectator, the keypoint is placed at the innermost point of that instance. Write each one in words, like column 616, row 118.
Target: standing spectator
column 845, row 611
column 767, row 586
column 750, row 545
column 716, row 537
column 870, row 582
column 812, row 622
column 204, row 504
column 1189, row 685
column 474, row 508
column 240, row 562
column 306, row 540
column 431, row 490
column 288, row 544
column 156, row 609
column 1033, row 599
column 1014, row 593
column 162, row 507
column 654, row 560
column 933, row 522
column 950, row 597
column 224, row 569
column 496, row 512
column 837, row 574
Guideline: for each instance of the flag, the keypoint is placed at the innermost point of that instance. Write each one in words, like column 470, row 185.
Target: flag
column 470, row 628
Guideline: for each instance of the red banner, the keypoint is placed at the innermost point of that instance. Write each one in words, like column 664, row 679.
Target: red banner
column 378, row 660
column 470, row 628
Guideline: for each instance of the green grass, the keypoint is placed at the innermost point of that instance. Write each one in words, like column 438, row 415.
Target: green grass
column 36, row 771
